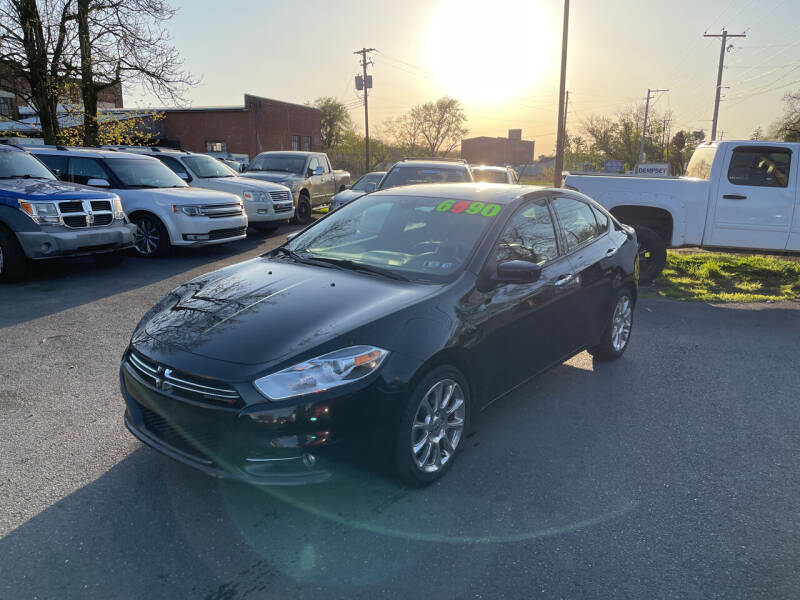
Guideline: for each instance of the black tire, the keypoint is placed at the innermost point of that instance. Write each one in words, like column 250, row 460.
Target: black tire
column 405, row 461
column 157, row 240
column 609, row 347
column 652, row 254
column 303, row 214
column 268, row 226
column 12, row 258
column 109, row 259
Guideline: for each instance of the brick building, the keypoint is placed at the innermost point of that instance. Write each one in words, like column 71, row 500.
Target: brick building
column 260, row 124
column 512, row 150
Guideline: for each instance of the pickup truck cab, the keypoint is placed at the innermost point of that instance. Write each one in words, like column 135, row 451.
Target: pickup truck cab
column 41, row 217
column 741, row 195
column 307, row 174
column 165, row 210
column 268, row 205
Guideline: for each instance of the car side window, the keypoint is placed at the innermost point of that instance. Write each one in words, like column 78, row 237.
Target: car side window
column 81, row 170
column 577, row 221
column 602, row 221
column 174, row 165
column 762, row 167
column 313, row 163
column 57, row 164
column 323, row 162
column 529, row 236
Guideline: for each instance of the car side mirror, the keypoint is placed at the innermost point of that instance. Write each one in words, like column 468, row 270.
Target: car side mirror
column 370, row 187
column 348, row 186
column 518, row 271
column 98, row 183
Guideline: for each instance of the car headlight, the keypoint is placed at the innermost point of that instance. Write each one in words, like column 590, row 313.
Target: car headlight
column 255, row 196
column 118, row 212
column 322, row 373
column 189, row 210
column 41, row 212
column 292, row 185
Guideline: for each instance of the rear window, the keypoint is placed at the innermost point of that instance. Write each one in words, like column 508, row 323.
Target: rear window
column 411, row 175
column 700, row 164
column 490, row 176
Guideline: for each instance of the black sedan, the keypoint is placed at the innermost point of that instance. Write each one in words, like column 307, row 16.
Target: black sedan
column 396, row 318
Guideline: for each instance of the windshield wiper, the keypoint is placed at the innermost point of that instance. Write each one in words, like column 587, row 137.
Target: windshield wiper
column 364, row 268
column 305, row 260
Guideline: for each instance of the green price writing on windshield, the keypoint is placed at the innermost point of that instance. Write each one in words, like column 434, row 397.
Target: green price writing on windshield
column 470, row 208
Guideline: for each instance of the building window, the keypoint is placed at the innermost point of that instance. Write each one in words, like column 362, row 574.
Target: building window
column 307, row 143
column 6, row 107
column 216, row 147
column 295, row 142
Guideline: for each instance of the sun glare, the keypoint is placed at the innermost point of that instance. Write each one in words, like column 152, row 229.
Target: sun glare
column 485, row 52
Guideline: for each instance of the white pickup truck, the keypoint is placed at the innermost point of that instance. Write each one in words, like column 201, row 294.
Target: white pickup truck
column 741, row 195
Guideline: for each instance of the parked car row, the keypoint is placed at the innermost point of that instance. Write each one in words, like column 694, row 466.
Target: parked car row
column 109, row 200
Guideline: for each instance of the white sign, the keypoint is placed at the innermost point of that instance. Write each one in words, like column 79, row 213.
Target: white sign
column 652, row 170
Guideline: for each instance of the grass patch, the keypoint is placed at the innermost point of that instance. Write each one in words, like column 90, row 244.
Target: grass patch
column 715, row 277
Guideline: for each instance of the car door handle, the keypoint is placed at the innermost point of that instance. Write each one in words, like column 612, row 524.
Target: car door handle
column 611, row 251
column 734, row 197
column 564, row 280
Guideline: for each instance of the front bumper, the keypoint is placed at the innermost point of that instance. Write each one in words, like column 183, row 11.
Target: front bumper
column 53, row 241
column 205, row 231
column 265, row 444
column 265, row 212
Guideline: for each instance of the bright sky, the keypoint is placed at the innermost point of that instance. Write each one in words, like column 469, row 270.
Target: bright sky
column 500, row 58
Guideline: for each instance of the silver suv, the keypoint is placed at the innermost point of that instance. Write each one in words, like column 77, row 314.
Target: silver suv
column 411, row 171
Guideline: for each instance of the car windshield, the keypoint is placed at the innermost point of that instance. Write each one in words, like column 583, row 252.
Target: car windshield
column 143, row 173
column 206, row 166
column 413, row 174
column 490, row 175
column 419, row 238
column 361, row 184
column 21, row 164
column 278, row 162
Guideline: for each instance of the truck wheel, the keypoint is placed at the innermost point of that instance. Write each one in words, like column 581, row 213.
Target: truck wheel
column 109, row 259
column 303, row 214
column 12, row 258
column 652, row 254
column 150, row 238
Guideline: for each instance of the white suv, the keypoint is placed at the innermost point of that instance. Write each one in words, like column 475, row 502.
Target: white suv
column 165, row 210
column 268, row 205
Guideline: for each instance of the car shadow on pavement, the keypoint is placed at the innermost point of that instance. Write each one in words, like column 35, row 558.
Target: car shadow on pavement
column 59, row 284
column 152, row 528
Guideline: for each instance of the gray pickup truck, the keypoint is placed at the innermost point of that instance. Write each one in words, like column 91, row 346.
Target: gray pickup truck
column 307, row 174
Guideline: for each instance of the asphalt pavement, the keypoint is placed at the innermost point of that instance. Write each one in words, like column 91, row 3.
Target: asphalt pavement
column 671, row 473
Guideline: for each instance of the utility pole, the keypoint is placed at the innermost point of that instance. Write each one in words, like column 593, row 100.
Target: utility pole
column 561, row 93
column 367, row 83
column 644, row 125
column 566, row 112
column 723, row 48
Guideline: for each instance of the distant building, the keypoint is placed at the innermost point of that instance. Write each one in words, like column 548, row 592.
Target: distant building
column 512, row 150
column 260, row 124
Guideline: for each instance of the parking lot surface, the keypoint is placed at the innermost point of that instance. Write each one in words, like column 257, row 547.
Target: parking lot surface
column 671, row 473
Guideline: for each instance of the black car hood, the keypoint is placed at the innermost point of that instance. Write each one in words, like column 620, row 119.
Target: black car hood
column 265, row 310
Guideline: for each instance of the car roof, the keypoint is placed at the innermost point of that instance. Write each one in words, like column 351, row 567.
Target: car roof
column 293, row 152
column 430, row 163
column 501, row 193
column 488, row 168
column 87, row 152
column 11, row 148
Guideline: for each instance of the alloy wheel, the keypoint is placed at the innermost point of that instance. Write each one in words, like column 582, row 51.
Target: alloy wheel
column 438, row 425
column 621, row 323
column 147, row 237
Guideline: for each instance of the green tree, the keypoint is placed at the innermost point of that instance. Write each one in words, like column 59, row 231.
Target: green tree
column 335, row 122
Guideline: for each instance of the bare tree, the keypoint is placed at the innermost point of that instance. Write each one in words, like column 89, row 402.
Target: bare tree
column 787, row 127
column 124, row 41
column 37, row 55
column 441, row 124
column 405, row 132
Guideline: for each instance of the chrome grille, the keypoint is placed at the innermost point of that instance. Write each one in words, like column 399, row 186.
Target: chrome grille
column 217, row 211
column 280, row 196
column 86, row 213
column 181, row 384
